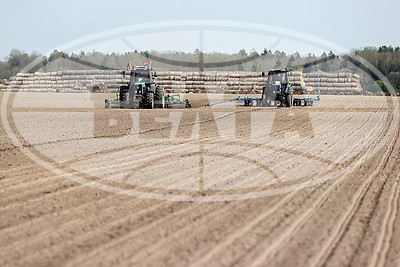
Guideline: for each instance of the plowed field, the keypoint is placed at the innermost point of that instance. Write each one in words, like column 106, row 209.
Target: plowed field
column 224, row 185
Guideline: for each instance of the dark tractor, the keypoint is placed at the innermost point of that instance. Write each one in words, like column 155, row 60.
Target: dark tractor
column 142, row 90
column 277, row 91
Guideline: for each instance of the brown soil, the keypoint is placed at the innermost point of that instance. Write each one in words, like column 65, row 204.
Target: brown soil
column 353, row 219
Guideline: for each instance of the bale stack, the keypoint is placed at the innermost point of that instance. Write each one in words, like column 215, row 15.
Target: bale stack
column 252, row 82
column 224, row 82
column 297, row 81
column 333, row 83
column 15, row 83
column 84, row 80
column 211, row 82
column 3, row 85
column 65, row 81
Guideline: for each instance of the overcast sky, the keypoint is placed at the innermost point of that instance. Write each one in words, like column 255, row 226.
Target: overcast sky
column 44, row 25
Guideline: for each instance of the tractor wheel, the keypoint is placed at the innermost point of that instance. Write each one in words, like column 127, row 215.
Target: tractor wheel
column 288, row 100
column 158, row 97
column 149, row 100
column 159, row 93
column 123, row 93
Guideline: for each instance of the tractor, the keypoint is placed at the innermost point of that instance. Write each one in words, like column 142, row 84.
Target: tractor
column 142, row 92
column 277, row 91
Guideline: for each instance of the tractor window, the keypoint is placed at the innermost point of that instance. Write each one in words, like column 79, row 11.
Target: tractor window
column 277, row 78
column 142, row 76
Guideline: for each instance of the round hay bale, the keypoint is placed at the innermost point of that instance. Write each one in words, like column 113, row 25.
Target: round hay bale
column 336, row 85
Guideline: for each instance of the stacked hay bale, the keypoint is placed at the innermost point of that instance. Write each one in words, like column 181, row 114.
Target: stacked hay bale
column 252, row 82
column 88, row 80
column 174, row 81
column 3, row 85
column 74, row 81
column 211, row 82
column 297, row 81
column 16, row 82
column 333, row 83
column 224, row 82
column 35, row 82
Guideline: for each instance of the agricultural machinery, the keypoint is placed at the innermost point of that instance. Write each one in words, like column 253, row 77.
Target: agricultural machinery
column 276, row 92
column 143, row 92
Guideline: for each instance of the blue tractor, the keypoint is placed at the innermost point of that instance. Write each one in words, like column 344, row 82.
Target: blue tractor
column 142, row 92
column 277, row 91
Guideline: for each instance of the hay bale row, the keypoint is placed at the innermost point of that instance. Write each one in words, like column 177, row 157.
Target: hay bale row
column 183, row 81
column 204, row 78
column 210, row 73
column 89, row 72
column 329, row 75
column 296, row 78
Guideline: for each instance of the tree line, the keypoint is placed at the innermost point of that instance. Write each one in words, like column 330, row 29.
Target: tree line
column 385, row 58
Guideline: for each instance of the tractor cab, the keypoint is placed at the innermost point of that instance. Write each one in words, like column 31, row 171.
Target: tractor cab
column 142, row 79
column 278, row 77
